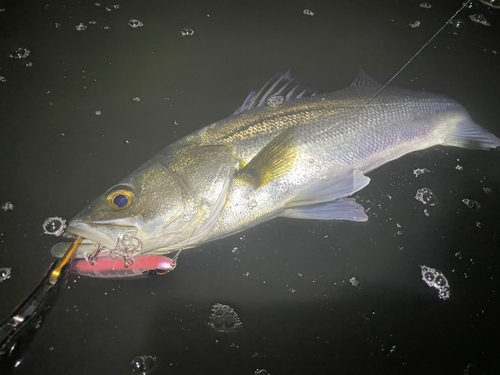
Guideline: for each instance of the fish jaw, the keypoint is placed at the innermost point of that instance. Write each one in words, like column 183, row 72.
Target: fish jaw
column 103, row 235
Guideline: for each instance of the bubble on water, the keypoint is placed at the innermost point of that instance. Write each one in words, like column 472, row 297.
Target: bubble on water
column 5, row 273
column 126, row 141
column 224, row 319
column 459, row 168
column 457, row 22
column 97, row 4
column 275, row 100
column 473, row 369
column 415, row 24
column 133, row 23
column 28, row 65
column 8, row 206
column 491, row 3
column 92, row 22
column 117, row 6
column 426, row 213
column 3, row 79
column 98, row 113
column 471, row 203
column 308, row 12
column 136, row 99
column 354, row 282
column 458, row 255
column 425, row 5
column 57, row 25
column 435, row 279
column 54, row 226
column 187, row 31
column 261, row 372
column 487, row 190
column 142, row 363
column 20, row 53
column 176, row 122
column 426, row 196
column 470, row 4
column 81, row 27
column 417, row 172
column 479, row 18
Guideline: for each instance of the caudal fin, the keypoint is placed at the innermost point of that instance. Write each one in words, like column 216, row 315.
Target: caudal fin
column 470, row 135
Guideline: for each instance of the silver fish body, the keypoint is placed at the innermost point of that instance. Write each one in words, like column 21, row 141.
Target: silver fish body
column 286, row 151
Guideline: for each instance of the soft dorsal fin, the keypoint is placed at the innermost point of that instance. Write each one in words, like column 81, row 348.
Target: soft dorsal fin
column 363, row 79
column 280, row 88
column 272, row 162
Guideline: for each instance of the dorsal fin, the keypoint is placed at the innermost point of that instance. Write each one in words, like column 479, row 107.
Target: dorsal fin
column 363, row 79
column 280, row 88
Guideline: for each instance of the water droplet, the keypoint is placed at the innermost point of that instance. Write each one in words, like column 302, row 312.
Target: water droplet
column 98, row 113
column 458, row 255
column 135, row 23
column 224, row 319
column 142, row 363
column 187, row 32
column 8, row 206
column 136, row 99
column 470, row 4
column 97, row 4
column 457, row 22
column 471, row 203
column 425, row 5
column 425, row 196
column 417, row 172
column 5, row 273
column 20, row 53
column 261, row 372
column 479, row 18
column 117, row 6
column 308, row 12
column 176, row 122
column 354, row 282
column 435, row 279
column 3, row 79
column 415, row 24
column 29, row 64
column 57, row 25
column 81, row 27
column 252, row 204
column 92, row 22
column 459, row 168
column 275, row 100
column 54, row 226
column 126, row 141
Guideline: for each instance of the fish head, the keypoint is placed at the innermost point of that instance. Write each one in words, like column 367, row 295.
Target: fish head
column 152, row 207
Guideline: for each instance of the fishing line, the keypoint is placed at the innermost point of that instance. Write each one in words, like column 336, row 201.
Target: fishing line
column 465, row 4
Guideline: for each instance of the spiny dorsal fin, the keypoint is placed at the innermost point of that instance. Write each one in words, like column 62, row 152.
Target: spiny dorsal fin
column 272, row 162
column 363, row 79
column 280, row 88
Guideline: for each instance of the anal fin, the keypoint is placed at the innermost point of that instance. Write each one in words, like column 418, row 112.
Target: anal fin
column 338, row 182
column 341, row 209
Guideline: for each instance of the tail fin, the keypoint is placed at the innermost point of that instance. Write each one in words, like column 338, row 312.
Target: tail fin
column 470, row 135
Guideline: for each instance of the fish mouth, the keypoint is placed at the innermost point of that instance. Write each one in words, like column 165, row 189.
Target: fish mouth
column 104, row 235
column 90, row 235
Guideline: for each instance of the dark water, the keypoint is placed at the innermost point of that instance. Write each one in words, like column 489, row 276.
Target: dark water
column 288, row 280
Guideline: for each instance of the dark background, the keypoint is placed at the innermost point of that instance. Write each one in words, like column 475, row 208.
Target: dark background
column 300, row 313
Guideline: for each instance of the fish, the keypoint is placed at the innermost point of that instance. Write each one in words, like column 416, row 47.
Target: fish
column 287, row 151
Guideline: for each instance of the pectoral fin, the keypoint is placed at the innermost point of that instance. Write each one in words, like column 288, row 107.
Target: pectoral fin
column 273, row 161
column 341, row 209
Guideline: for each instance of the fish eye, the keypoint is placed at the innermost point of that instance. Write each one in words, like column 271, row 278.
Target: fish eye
column 120, row 199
